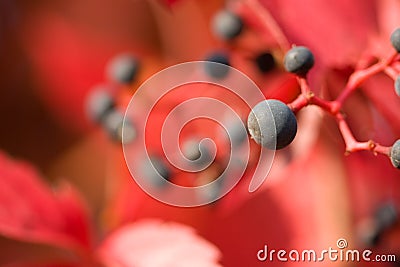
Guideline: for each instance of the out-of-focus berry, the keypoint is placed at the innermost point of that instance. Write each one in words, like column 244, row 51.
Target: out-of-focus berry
column 265, row 62
column 220, row 70
column 119, row 129
column 99, row 103
column 122, row 69
column 395, row 154
column 397, row 85
column 155, row 171
column 395, row 39
column 227, row 25
column 299, row 60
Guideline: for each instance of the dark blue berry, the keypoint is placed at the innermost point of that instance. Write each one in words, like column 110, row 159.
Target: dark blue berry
column 118, row 129
column 122, row 69
column 191, row 150
column 220, row 70
column 99, row 103
column 236, row 132
column 155, row 171
column 395, row 154
column 265, row 62
column 212, row 192
column 272, row 124
column 397, row 85
column 386, row 216
column 197, row 152
column 298, row 60
column 227, row 25
column 395, row 39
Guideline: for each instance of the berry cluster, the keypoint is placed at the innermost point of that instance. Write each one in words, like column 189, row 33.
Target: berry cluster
column 271, row 123
column 220, row 70
column 101, row 105
column 373, row 229
column 299, row 60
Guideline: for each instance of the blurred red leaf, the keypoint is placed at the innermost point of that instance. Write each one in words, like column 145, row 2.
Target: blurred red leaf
column 30, row 212
column 153, row 243
column 67, row 66
column 340, row 39
column 385, row 101
column 67, row 62
column 388, row 18
column 169, row 2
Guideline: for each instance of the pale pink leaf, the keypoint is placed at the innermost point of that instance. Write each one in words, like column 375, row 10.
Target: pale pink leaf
column 152, row 243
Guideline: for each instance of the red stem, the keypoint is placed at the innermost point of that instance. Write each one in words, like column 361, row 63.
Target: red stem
column 352, row 145
column 359, row 76
column 268, row 23
column 307, row 97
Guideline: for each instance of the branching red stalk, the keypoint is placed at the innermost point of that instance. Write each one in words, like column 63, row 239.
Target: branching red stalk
column 307, row 97
column 359, row 76
column 352, row 145
column 364, row 70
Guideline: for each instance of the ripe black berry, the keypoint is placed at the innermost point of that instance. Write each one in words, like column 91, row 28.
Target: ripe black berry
column 99, row 103
column 197, row 152
column 118, row 129
column 122, row 69
column 265, row 62
column 217, row 71
column 227, row 25
column 191, row 150
column 153, row 168
column 299, row 60
column 385, row 216
column 395, row 39
column 236, row 132
column 397, row 85
column 395, row 154
column 272, row 124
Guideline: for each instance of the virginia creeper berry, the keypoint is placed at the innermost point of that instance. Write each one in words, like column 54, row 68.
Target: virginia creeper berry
column 122, row 69
column 153, row 169
column 196, row 151
column 386, row 216
column 395, row 39
column 397, row 85
column 114, row 123
column 265, row 62
column 227, row 25
column 191, row 150
column 217, row 71
column 395, row 154
column 299, row 60
column 236, row 132
column 99, row 103
column 272, row 124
